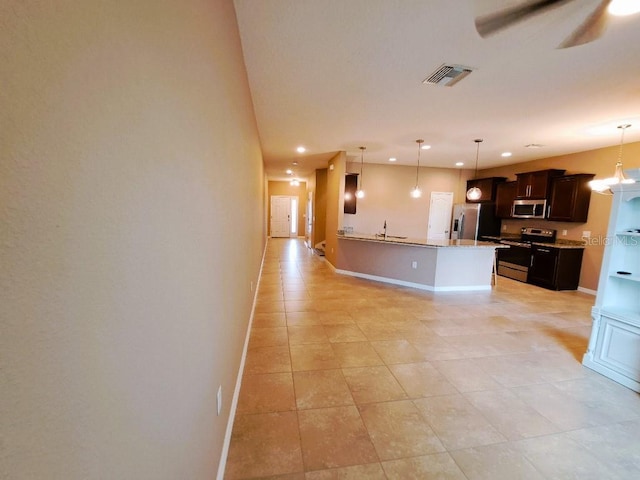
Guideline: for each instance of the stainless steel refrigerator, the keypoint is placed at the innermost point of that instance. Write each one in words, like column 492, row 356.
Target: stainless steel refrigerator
column 473, row 221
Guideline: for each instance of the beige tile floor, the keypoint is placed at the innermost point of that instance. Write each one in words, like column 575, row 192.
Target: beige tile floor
column 351, row 379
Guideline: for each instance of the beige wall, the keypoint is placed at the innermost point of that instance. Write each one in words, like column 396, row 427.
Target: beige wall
column 387, row 189
column 308, row 222
column 335, row 203
column 600, row 162
column 320, row 204
column 128, row 148
column 286, row 189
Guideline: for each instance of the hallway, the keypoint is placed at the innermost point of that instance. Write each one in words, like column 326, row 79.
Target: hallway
column 351, row 379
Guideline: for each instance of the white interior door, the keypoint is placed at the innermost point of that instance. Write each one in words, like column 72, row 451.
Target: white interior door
column 280, row 216
column 440, row 209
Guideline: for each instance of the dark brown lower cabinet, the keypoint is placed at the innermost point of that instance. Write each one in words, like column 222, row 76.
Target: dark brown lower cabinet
column 555, row 268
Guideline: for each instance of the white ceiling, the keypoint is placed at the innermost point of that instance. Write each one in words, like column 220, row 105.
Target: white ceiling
column 337, row 74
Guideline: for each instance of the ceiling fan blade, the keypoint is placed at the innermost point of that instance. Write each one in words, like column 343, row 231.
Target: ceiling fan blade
column 590, row 29
column 494, row 22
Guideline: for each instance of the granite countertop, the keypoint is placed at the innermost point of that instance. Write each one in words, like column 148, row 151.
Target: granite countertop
column 420, row 242
column 557, row 244
column 566, row 244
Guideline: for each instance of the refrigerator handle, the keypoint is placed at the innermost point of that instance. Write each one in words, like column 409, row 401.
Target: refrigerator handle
column 460, row 225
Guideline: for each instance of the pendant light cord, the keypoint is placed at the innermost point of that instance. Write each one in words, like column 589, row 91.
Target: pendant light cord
column 362, row 149
column 419, row 142
column 623, row 127
column 603, row 187
column 478, row 142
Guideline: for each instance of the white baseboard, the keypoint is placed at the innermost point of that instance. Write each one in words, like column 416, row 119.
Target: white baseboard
column 588, row 291
column 420, row 286
column 236, row 391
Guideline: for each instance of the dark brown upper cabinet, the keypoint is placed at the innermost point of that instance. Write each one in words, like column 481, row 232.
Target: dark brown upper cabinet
column 505, row 195
column 570, row 198
column 350, row 187
column 536, row 185
column 487, row 186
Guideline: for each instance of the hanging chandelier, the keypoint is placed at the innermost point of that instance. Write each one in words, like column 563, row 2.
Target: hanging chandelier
column 603, row 186
column 474, row 193
column 416, row 192
column 360, row 191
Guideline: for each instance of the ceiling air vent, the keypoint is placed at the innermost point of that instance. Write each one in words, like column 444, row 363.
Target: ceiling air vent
column 448, row 75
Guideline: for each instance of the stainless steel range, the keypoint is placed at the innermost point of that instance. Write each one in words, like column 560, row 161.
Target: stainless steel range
column 514, row 262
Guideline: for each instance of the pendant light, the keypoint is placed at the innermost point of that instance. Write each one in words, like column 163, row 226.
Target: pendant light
column 360, row 191
column 474, row 193
column 604, row 186
column 416, row 192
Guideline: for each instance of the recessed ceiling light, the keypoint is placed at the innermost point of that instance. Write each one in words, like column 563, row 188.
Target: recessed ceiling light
column 425, row 147
column 534, row 145
column 624, row 7
column 289, row 172
column 506, row 154
column 392, row 159
column 301, row 149
column 459, row 164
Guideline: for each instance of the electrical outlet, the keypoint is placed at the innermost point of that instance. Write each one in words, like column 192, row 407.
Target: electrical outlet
column 564, row 233
column 504, row 228
column 414, row 264
column 219, row 399
column 586, row 234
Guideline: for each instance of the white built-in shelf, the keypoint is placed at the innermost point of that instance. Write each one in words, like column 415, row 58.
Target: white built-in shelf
column 631, row 278
column 624, row 314
column 614, row 346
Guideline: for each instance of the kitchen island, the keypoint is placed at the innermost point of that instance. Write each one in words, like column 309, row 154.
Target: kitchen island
column 435, row 265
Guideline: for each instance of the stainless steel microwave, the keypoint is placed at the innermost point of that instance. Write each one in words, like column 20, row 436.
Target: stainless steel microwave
column 529, row 208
